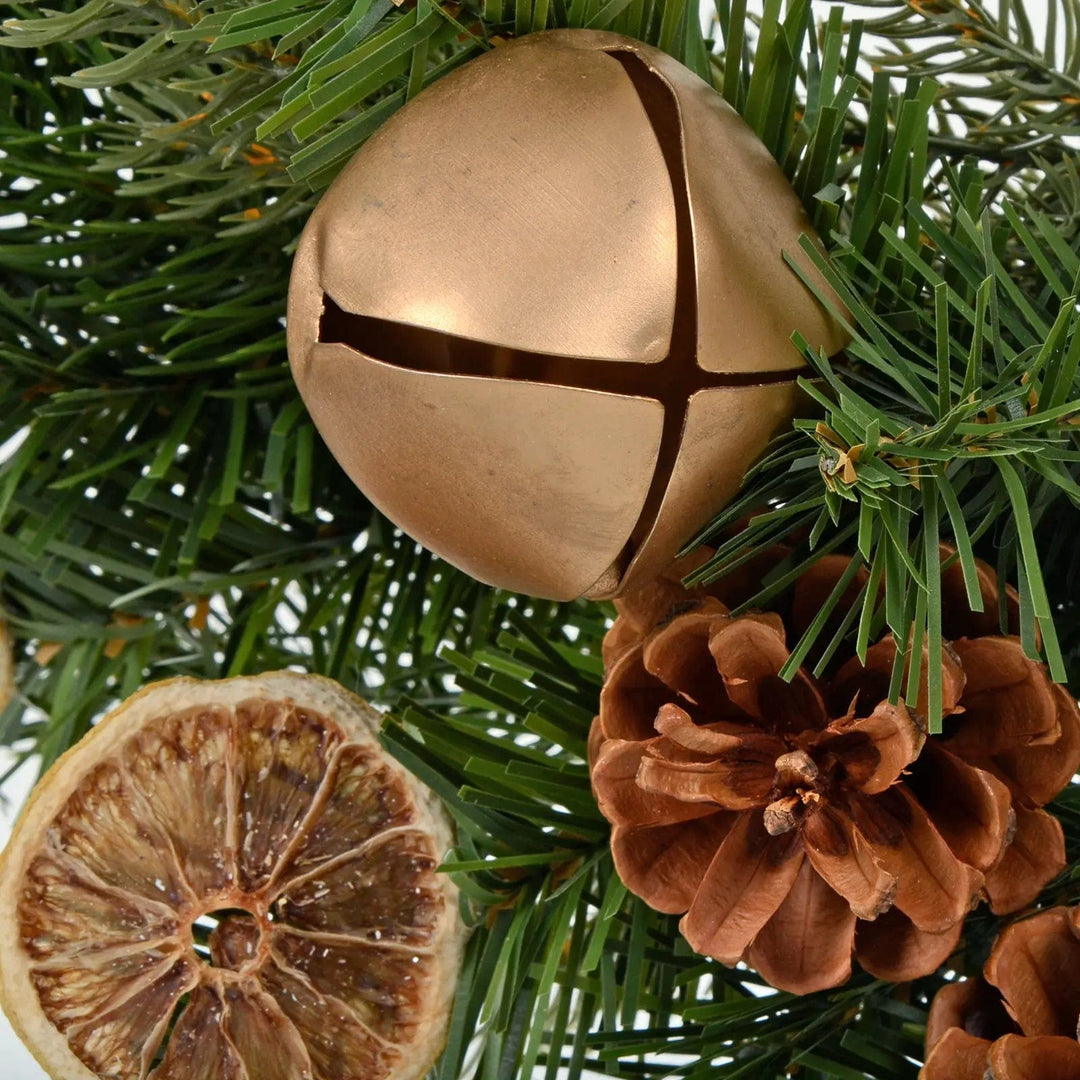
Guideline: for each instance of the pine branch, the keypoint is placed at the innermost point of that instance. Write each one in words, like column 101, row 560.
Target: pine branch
column 971, row 404
column 951, row 415
column 565, row 969
column 169, row 509
column 235, row 91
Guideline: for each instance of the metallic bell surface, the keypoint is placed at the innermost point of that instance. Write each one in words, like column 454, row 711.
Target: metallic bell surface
column 542, row 318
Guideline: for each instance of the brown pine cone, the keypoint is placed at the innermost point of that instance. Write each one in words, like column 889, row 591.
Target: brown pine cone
column 798, row 823
column 1019, row 1020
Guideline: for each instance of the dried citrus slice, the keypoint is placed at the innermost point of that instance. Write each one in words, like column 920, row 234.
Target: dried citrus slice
column 7, row 665
column 262, row 806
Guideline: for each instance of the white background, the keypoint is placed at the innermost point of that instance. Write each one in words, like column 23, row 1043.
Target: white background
column 15, row 1061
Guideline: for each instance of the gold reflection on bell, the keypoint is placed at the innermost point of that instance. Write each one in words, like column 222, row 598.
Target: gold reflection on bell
column 542, row 318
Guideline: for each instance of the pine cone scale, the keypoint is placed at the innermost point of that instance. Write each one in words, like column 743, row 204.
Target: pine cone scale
column 1008, row 702
column 809, row 940
column 892, row 947
column 1015, row 1057
column 713, row 739
column 970, row 807
column 869, row 684
column 1034, row 965
column 843, row 858
column 934, row 888
column 958, row 1056
column 677, row 654
column 631, row 698
column 623, row 801
column 973, row 1006
column 737, row 780
column 1036, row 853
column 744, row 886
column 783, row 815
column 894, row 738
column 749, row 653
column 1038, row 773
column 665, row 864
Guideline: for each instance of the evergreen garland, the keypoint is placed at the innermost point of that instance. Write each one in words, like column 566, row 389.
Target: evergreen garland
column 168, row 508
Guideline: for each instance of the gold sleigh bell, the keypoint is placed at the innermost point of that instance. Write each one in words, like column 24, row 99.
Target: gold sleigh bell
column 542, row 318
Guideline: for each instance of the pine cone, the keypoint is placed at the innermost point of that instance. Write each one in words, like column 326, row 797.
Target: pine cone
column 1018, row 1021
column 798, row 823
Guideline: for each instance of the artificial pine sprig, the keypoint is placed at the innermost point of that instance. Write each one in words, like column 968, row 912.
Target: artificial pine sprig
column 166, row 506
column 952, row 414
column 913, row 237
column 566, row 972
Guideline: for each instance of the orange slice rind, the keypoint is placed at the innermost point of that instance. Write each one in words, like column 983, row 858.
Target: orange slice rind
column 264, row 805
column 7, row 664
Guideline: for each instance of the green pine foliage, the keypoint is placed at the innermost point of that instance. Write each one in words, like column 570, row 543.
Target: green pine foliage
column 167, row 507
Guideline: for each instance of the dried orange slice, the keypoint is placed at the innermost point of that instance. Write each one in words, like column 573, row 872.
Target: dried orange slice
column 7, row 665
column 266, row 806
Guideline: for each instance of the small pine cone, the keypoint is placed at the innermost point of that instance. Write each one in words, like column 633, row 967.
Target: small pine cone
column 794, row 824
column 1019, row 1020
